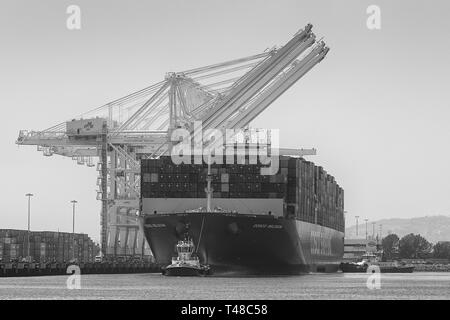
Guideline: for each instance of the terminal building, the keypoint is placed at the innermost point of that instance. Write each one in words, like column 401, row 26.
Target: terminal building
column 355, row 248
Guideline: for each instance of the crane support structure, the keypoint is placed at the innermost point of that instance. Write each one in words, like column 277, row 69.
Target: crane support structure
column 115, row 136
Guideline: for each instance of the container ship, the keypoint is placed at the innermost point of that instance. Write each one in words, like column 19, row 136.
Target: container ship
column 291, row 222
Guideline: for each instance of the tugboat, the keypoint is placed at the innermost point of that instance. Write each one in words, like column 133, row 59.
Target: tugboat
column 371, row 259
column 186, row 263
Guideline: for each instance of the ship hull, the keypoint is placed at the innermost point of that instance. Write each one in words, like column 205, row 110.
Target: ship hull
column 241, row 244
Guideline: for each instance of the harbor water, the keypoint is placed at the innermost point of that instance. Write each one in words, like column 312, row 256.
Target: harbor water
column 418, row 285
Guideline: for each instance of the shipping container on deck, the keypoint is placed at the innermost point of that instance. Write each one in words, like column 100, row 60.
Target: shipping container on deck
column 308, row 192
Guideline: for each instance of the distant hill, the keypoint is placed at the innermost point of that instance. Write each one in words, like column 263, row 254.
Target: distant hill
column 433, row 228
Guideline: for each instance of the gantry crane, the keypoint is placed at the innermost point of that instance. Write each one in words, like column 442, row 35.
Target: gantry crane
column 118, row 134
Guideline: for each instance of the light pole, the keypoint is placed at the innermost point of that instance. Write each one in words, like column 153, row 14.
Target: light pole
column 73, row 227
column 373, row 230
column 29, row 195
column 381, row 232
column 356, row 225
column 366, row 226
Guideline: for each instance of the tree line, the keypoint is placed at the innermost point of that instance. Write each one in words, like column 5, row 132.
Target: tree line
column 413, row 246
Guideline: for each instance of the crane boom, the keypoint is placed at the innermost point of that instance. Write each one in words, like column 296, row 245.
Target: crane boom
column 258, row 78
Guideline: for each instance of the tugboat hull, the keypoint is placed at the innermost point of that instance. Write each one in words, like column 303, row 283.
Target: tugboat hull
column 182, row 271
column 355, row 268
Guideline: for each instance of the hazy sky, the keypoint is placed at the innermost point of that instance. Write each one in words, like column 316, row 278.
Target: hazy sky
column 377, row 108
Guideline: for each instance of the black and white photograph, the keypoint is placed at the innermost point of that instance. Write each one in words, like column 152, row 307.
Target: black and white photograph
column 225, row 155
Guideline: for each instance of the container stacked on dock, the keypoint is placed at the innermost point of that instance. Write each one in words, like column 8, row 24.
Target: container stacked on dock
column 46, row 246
column 309, row 193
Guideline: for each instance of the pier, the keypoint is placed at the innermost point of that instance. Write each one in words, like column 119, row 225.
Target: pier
column 24, row 269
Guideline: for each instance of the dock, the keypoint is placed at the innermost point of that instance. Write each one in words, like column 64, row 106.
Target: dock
column 24, row 269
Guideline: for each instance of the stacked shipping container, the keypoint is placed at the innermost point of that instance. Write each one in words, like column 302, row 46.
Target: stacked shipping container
column 313, row 195
column 309, row 193
column 162, row 179
column 46, row 246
